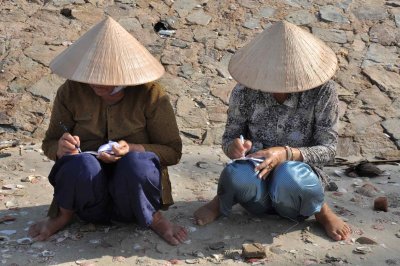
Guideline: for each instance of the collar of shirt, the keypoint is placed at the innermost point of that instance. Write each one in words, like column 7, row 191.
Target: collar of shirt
column 292, row 101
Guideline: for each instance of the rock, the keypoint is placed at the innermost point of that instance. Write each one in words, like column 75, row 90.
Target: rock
column 252, row 23
column 380, row 55
column 47, row 87
column 251, row 4
column 397, row 20
column 172, row 57
column 330, row 35
column 217, row 245
column 299, row 3
column 347, row 147
column 254, row 250
column 130, row 24
column 392, row 127
column 384, row 34
column 372, row 13
column 367, row 190
column 362, row 121
column 374, row 98
column 301, row 17
column 183, row 7
column 387, row 81
column 277, row 250
column 381, row 204
column 43, row 54
column 203, row 34
column 267, row 12
column 367, row 169
column 332, row 14
column 366, row 241
column 199, row 18
column 221, row 43
column 344, row 4
column 331, row 186
column 222, row 91
column 214, row 135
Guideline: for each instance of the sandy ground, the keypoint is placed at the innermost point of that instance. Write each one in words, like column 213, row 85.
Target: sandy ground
column 194, row 182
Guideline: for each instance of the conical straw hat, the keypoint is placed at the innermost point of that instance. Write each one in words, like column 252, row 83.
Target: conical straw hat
column 107, row 55
column 283, row 58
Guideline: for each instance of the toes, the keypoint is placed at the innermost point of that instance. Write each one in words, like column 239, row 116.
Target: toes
column 336, row 236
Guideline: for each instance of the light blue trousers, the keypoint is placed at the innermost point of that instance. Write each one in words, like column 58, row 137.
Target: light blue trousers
column 293, row 190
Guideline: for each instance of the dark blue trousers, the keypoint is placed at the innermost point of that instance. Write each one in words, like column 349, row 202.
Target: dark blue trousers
column 126, row 191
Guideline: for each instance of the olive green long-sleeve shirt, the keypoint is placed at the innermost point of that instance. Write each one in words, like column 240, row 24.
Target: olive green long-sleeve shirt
column 143, row 116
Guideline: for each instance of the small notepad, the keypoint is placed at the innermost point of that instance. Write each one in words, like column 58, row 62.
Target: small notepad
column 104, row 148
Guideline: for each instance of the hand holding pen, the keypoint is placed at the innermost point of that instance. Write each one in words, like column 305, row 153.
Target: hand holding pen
column 67, row 144
column 239, row 147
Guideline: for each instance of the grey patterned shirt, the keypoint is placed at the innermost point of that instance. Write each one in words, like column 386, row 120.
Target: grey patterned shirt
column 306, row 120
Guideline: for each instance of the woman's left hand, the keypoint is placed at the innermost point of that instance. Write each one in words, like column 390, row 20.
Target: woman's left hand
column 119, row 151
column 273, row 157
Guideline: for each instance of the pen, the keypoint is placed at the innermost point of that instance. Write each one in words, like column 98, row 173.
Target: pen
column 66, row 131
column 241, row 139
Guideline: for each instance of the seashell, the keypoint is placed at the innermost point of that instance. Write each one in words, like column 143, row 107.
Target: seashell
column 48, row 253
column 25, row 241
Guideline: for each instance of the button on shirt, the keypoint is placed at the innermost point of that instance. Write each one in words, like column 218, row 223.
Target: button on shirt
column 305, row 120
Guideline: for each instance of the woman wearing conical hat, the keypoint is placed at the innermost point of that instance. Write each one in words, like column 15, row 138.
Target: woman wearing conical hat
column 110, row 95
column 281, row 129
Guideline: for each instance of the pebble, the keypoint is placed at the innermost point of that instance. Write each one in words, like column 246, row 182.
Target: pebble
column 192, row 261
column 381, row 204
column 367, row 190
column 365, row 241
column 254, row 250
column 47, row 253
column 217, row 245
column 25, row 241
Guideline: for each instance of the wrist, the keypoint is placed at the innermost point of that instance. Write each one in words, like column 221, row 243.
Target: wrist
column 289, row 153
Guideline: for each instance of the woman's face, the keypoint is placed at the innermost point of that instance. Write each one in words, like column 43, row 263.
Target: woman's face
column 102, row 91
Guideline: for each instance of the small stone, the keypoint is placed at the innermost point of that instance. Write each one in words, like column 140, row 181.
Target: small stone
column 331, row 186
column 202, row 165
column 397, row 234
column 217, row 245
column 277, row 250
column 47, row 253
column 192, row 261
column 254, row 250
column 25, row 241
column 252, row 24
column 381, row 204
column 267, row 12
column 332, row 14
column 365, row 241
column 367, row 190
column 199, row 18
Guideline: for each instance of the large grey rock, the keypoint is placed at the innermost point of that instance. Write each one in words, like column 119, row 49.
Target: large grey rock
column 172, row 57
column 214, row 135
column 380, row 55
column 252, row 23
column 267, row 12
column 384, row 34
column 43, row 53
column 344, row 4
column 251, row 4
column 386, row 80
column 223, row 91
column 222, row 42
column 173, row 85
column 375, row 144
column 330, row 35
column 301, row 17
column 47, row 87
column 183, row 7
column 204, row 34
column 130, row 24
column 332, row 14
column 372, row 13
column 199, row 18
column 299, row 3
column 392, row 127
column 347, row 147
column 362, row 121
column 374, row 98
column 397, row 20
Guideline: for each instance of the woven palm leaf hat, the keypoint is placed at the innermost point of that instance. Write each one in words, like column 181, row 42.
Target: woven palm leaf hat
column 107, row 55
column 283, row 58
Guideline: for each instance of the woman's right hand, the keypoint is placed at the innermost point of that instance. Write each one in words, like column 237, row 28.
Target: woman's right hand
column 67, row 145
column 237, row 149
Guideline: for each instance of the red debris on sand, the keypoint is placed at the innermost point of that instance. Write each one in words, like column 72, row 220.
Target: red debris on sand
column 381, row 204
column 174, row 261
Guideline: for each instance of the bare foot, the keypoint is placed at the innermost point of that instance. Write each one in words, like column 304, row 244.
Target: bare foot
column 335, row 227
column 42, row 230
column 208, row 212
column 172, row 233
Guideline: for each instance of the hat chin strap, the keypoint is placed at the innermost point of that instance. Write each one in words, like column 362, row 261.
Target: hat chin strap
column 116, row 90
